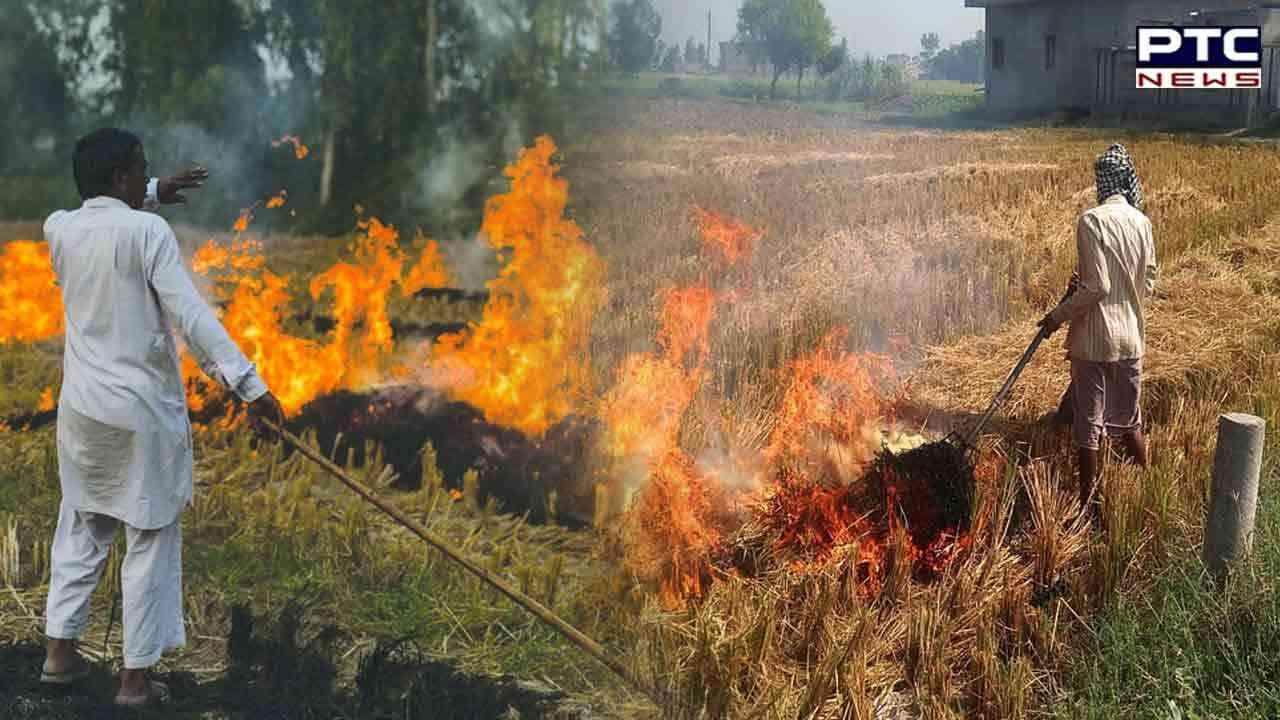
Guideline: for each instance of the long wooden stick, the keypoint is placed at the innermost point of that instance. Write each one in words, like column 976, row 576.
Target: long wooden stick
column 542, row 612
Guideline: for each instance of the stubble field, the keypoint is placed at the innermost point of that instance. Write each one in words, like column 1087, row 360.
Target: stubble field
column 780, row 292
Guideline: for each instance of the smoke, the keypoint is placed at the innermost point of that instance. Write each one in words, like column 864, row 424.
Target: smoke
column 734, row 469
column 454, row 170
column 472, row 263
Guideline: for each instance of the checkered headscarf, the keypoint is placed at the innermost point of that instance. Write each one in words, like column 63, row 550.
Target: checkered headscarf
column 1116, row 175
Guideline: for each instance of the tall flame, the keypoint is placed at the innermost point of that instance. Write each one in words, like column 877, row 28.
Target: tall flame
column 830, row 422
column 525, row 364
column 299, row 369
column 832, row 402
column 673, row 526
column 30, row 301
column 360, row 290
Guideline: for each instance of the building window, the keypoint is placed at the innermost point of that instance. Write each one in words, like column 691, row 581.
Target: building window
column 1050, row 51
column 997, row 53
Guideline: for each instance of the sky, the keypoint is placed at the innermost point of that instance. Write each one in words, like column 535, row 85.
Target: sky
column 878, row 27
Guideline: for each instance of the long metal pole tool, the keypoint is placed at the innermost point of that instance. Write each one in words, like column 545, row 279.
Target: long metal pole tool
column 1003, row 395
column 542, row 612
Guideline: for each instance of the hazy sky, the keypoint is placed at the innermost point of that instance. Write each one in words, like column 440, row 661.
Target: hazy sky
column 878, row 27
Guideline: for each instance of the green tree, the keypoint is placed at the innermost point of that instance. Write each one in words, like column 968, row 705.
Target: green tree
column 380, row 90
column 36, row 104
column 671, row 59
column 634, row 35
column 794, row 34
column 929, row 44
column 835, row 58
column 177, row 61
column 963, row 62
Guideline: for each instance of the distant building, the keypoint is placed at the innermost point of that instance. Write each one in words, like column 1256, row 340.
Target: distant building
column 909, row 64
column 1045, row 55
column 739, row 58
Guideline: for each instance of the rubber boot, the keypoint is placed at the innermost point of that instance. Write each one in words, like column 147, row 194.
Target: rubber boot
column 1088, row 463
column 1135, row 448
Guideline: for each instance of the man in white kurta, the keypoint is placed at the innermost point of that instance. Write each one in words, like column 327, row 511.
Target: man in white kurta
column 123, row 434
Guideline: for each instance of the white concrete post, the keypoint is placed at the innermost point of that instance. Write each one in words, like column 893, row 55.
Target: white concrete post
column 1237, row 464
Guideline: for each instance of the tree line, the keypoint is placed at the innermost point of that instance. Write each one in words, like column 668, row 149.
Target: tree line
column 963, row 62
column 408, row 106
column 790, row 37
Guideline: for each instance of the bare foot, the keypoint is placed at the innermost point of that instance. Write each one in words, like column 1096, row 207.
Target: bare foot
column 62, row 665
column 140, row 692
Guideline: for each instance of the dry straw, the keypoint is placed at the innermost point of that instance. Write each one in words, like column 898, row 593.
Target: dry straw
column 1205, row 318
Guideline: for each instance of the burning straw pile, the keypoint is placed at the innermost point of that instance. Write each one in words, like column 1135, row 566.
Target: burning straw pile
column 831, row 473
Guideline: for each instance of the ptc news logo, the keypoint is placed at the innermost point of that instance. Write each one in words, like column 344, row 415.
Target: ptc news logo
column 1199, row 58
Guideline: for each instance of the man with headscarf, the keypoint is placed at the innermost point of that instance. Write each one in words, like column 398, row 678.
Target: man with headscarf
column 1116, row 266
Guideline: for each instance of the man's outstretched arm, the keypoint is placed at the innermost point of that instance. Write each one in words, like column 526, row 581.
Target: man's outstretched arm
column 168, row 191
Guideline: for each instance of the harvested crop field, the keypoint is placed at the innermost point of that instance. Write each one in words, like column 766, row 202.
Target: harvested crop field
column 666, row 417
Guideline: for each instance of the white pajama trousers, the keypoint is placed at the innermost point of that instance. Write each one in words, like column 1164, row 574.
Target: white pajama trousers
column 151, row 579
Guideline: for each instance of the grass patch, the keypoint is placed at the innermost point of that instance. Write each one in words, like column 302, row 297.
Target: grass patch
column 1176, row 646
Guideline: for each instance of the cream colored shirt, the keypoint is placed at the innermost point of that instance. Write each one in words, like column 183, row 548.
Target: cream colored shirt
column 1117, row 268
column 124, row 439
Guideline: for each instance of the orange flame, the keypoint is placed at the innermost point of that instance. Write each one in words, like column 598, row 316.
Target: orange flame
column 300, row 369
column 296, row 369
column 30, row 301
column 831, row 399
column 46, row 400
column 645, row 405
column 242, row 223
column 673, row 525
column 277, row 200
column 731, row 239
column 240, row 258
column 686, row 318
column 525, row 364
column 360, row 293
column 428, row 272
column 300, row 151
column 828, row 429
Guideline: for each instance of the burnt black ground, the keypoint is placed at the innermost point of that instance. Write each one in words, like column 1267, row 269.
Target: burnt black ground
column 519, row 472
column 275, row 674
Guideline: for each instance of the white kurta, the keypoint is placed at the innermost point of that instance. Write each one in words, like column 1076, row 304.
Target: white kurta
column 124, row 439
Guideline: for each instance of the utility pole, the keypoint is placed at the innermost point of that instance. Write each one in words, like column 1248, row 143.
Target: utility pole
column 707, row 60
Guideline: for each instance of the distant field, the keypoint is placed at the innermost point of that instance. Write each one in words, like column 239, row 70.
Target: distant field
column 945, row 87
column 927, row 98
